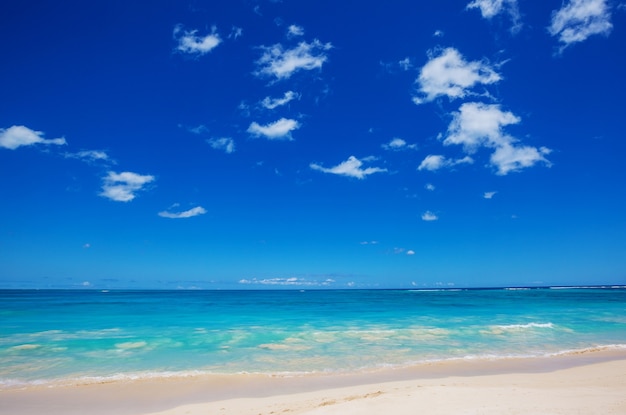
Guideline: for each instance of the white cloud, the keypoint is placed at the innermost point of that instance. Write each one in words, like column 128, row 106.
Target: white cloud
column 398, row 144
column 448, row 74
column 280, row 129
column 508, row 158
column 198, row 210
column 579, row 19
column 295, row 30
column 429, row 216
column 226, row 144
column 489, row 195
column 292, row 281
column 235, row 33
column 480, row 125
column 89, row 156
column 190, row 42
column 429, row 186
column 492, row 8
column 281, row 63
column 432, row 162
column 271, row 103
column 435, row 162
column 405, row 64
column 488, row 8
column 199, row 129
column 18, row 135
column 438, row 33
column 121, row 187
column 350, row 168
column 410, row 252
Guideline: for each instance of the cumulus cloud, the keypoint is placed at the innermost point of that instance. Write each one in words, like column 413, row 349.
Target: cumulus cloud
column 491, row 8
column 435, row 162
column 190, row 42
column 449, row 74
column 280, row 129
column 509, row 158
column 198, row 210
column 18, row 136
column 122, row 187
column 271, row 103
column 350, row 168
column 429, row 216
column 398, row 144
column 429, row 186
column 225, row 144
column 478, row 125
column 579, row 19
column 489, row 195
column 281, row 63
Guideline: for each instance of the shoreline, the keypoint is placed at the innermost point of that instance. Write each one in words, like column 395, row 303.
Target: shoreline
column 601, row 371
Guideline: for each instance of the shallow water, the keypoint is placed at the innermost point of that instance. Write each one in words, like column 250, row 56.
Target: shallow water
column 83, row 336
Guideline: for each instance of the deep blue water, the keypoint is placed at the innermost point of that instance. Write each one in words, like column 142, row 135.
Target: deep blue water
column 73, row 336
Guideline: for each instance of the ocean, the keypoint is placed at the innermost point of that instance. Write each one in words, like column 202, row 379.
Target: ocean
column 82, row 336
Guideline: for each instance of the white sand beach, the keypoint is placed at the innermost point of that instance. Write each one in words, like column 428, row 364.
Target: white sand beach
column 593, row 383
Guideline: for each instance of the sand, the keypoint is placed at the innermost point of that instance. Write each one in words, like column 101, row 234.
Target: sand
column 593, row 383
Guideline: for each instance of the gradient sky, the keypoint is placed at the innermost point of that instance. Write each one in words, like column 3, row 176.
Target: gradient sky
column 312, row 144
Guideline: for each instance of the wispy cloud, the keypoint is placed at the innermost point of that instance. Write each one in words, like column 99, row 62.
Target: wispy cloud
column 18, row 136
column 478, row 125
column 90, row 156
column 281, row 63
column 122, row 187
column 226, row 144
column 190, row 42
column 292, row 281
column 429, row 186
column 295, row 30
column 449, row 74
column 489, row 195
column 271, row 103
column 429, row 216
column 200, row 129
column 235, row 33
column 579, row 19
column 198, row 210
column 491, row 8
column 398, row 144
column 350, row 168
column 280, row 129
column 434, row 162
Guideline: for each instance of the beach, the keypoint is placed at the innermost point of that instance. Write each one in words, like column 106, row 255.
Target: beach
column 588, row 383
column 485, row 351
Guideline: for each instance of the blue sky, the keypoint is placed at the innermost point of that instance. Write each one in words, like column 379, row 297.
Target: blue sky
column 312, row 144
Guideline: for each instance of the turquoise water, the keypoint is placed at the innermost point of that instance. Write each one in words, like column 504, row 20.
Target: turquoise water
column 82, row 336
